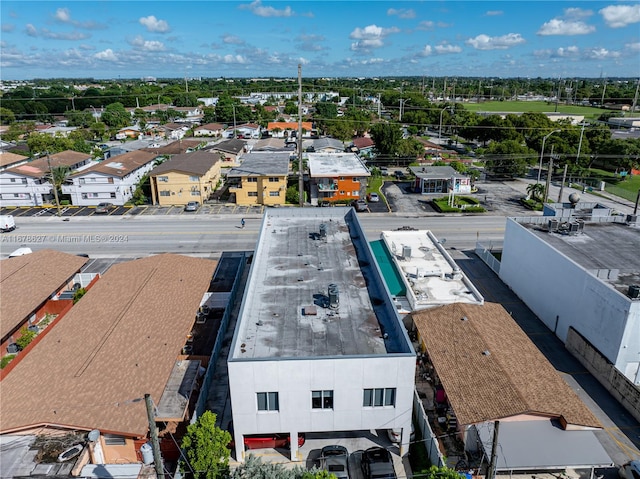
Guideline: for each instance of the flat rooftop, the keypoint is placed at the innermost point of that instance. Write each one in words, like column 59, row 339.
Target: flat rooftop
column 431, row 276
column 286, row 307
column 336, row 164
column 609, row 250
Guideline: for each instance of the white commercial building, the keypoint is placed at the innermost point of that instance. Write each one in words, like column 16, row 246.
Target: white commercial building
column 583, row 277
column 319, row 345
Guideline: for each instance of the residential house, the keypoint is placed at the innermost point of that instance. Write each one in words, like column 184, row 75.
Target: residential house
column 175, row 131
column 336, row 177
column 261, row 178
column 229, row 151
column 113, row 180
column 485, row 371
column 29, row 184
column 323, row 145
column 185, row 177
column 318, row 346
column 185, row 145
column 9, row 160
column 124, row 339
column 288, row 129
column 364, row 146
column 210, row 129
column 438, row 180
column 581, row 277
column 272, row 144
column 133, row 131
column 248, row 130
column 30, row 287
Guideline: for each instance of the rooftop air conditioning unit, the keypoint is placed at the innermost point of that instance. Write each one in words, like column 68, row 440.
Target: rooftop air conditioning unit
column 634, row 291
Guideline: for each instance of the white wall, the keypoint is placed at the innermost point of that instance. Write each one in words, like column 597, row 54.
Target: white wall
column 21, row 190
column 295, row 379
column 563, row 295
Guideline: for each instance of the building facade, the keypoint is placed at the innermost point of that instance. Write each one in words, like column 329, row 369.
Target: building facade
column 337, row 177
column 260, row 179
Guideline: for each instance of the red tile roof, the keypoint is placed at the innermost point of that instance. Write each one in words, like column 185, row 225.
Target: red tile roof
column 27, row 281
column 119, row 342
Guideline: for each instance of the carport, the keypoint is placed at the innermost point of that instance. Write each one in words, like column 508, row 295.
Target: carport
column 542, row 446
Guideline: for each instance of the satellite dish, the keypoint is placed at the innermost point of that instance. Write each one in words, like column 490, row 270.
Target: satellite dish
column 94, row 435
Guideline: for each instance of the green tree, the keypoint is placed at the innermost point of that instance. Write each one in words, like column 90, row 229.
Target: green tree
column 115, row 116
column 535, row 191
column 254, row 468
column 508, row 158
column 290, row 108
column 59, row 175
column 7, row 117
column 443, row 472
column 205, row 449
column 386, row 137
column 292, row 197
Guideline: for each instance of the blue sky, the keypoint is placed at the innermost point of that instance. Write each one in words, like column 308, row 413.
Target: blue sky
column 161, row 38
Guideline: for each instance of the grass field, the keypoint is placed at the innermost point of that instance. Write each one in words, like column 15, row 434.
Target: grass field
column 627, row 188
column 534, row 107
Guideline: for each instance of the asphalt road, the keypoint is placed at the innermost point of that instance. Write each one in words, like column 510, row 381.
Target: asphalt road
column 210, row 235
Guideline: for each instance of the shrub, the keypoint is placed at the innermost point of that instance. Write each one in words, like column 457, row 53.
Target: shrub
column 26, row 336
column 6, row 360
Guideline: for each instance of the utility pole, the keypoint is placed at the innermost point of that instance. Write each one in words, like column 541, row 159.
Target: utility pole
column 153, row 433
column 300, row 162
column 549, row 172
column 55, row 188
column 564, row 177
column 491, row 473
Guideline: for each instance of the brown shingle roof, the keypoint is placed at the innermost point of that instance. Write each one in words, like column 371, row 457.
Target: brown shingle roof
column 198, row 162
column 234, row 146
column 121, row 165
column 513, row 379
column 27, row 281
column 40, row 167
column 8, row 158
column 120, row 341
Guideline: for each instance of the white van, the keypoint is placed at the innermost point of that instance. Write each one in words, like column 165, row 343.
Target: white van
column 7, row 223
column 21, row 252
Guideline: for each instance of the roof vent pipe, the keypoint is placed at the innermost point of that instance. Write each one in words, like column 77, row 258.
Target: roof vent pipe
column 334, row 296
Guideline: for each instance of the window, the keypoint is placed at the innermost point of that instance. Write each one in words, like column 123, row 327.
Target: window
column 322, row 399
column 379, row 397
column 195, row 193
column 194, row 178
column 110, row 180
column 113, row 195
column 355, row 179
column 342, row 192
column 113, row 440
column 252, row 193
column 342, row 178
column 165, row 193
column 268, row 402
column 252, row 179
column 84, row 196
column 164, row 179
column 355, row 193
column 273, row 179
column 274, row 193
column 12, row 180
column 82, row 181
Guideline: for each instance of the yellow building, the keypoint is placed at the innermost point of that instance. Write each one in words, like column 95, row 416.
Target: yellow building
column 261, row 178
column 186, row 177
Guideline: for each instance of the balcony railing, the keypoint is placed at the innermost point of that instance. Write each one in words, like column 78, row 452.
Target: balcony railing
column 327, row 186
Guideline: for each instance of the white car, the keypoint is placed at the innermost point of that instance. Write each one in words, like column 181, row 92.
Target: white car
column 373, row 197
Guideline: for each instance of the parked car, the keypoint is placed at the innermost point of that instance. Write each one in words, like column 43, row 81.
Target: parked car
column 335, row 460
column 192, row 206
column 377, row 463
column 373, row 197
column 395, row 435
column 399, row 174
column 103, row 208
column 630, row 470
column 384, row 171
column 7, row 223
column 360, row 205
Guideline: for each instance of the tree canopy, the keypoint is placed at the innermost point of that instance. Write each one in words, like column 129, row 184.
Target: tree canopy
column 205, row 449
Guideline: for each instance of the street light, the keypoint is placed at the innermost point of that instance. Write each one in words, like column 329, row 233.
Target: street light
column 95, row 114
column 440, row 129
column 542, row 153
column 402, row 104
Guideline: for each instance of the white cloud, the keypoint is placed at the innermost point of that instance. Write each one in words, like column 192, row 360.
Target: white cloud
column 634, row 47
column 63, row 36
column 568, row 52
column 8, row 27
column 31, row 30
column 426, row 25
column 154, row 25
column 601, row 54
column 617, row 16
column 371, row 36
column 234, row 59
column 232, row 39
column 106, row 55
column 402, row 12
column 147, row 45
column 575, row 13
column 258, row 9
column 485, row 42
column 303, row 61
column 557, row 26
column 63, row 15
column 493, row 13
column 426, row 51
column 446, row 48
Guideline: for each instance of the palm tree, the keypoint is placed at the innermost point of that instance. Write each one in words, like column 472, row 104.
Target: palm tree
column 535, row 191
